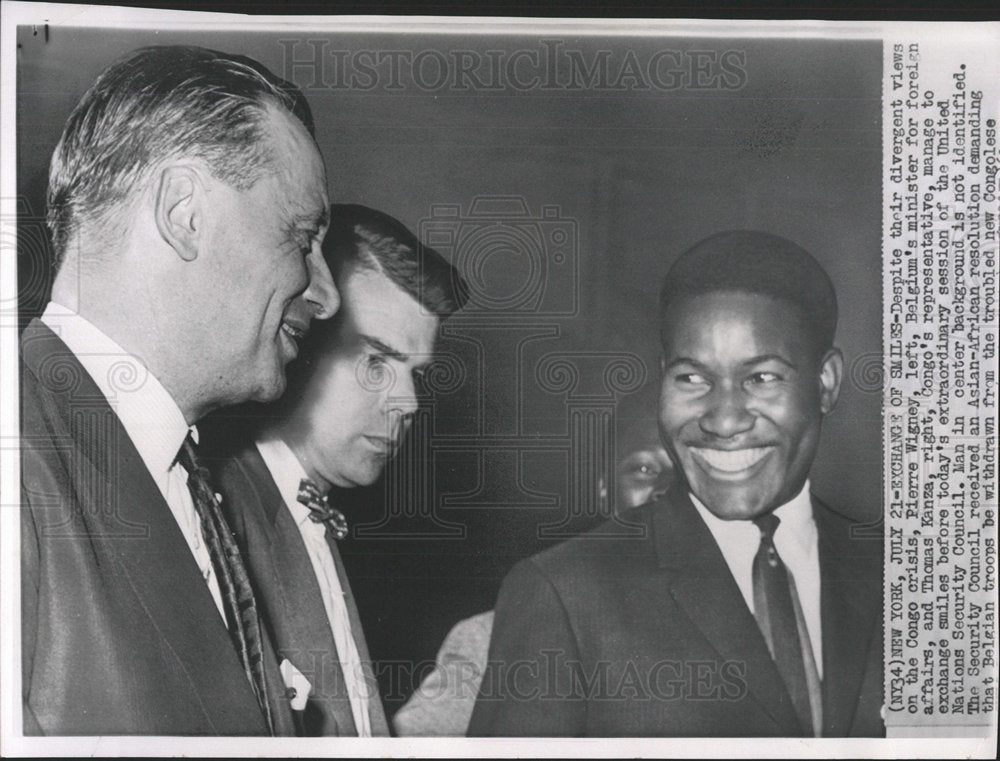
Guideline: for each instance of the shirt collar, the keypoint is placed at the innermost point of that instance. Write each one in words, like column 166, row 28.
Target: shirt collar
column 150, row 416
column 797, row 519
column 287, row 472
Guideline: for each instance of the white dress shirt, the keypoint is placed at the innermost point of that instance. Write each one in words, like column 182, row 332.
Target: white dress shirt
column 797, row 542
column 150, row 416
column 287, row 472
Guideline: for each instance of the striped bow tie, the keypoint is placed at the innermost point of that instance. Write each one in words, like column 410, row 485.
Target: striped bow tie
column 320, row 510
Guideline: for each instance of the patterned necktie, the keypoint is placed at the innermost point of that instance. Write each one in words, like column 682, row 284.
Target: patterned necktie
column 780, row 617
column 320, row 510
column 234, row 583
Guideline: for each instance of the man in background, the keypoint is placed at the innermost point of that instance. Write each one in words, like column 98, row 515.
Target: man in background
column 350, row 402
column 442, row 704
column 644, row 468
column 749, row 607
column 187, row 201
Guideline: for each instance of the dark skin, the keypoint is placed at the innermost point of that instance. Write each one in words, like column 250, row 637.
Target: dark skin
column 742, row 400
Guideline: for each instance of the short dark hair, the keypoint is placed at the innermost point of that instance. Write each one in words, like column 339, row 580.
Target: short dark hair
column 757, row 263
column 359, row 236
column 156, row 103
column 369, row 239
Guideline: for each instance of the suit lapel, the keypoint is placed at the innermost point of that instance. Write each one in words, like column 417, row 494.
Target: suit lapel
column 131, row 523
column 701, row 584
column 299, row 622
column 851, row 588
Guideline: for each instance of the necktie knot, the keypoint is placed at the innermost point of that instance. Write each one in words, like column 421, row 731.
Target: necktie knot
column 768, row 524
column 320, row 510
column 187, row 456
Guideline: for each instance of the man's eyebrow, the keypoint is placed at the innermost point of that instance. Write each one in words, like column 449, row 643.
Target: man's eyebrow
column 383, row 348
column 769, row 358
column 746, row 363
column 684, row 361
column 316, row 219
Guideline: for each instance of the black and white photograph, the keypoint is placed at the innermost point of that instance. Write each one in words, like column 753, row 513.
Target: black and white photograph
column 385, row 386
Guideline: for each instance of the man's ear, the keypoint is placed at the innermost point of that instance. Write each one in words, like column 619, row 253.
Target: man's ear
column 831, row 371
column 179, row 194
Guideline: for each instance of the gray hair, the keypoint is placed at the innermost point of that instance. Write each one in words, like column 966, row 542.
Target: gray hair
column 154, row 104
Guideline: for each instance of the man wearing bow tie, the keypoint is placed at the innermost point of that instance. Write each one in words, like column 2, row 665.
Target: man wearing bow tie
column 350, row 401
column 186, row 199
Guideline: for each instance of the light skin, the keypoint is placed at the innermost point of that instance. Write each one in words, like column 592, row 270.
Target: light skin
column 361, row 397
column 743, row 396
column 212, row 288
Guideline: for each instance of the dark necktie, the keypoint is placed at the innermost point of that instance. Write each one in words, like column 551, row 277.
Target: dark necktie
column 234, row 583
column 320, row 510
column 780, row 617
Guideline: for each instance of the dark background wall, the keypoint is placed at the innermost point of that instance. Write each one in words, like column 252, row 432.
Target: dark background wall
column 564, row 205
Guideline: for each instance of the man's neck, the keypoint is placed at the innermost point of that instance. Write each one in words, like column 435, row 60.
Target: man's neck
column 115, row 316
column 284, row 430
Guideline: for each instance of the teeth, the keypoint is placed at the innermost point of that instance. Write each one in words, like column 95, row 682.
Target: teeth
column 294, row 332
column 734, row 461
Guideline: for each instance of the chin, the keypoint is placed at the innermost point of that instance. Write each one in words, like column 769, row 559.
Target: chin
column 366, row 476
column 271, row 389
column 736, row 507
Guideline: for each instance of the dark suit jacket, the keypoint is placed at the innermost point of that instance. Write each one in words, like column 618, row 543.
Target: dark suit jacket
column 290, row 597
column 650, row 636
column 120, row 634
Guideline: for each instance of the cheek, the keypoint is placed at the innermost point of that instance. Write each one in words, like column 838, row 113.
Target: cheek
column 330, row 391
column 795, row 414
column 675, row 415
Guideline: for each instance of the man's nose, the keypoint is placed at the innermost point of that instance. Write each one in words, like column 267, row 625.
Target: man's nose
column 726, row 414
column 403, row 397
column 321, row 294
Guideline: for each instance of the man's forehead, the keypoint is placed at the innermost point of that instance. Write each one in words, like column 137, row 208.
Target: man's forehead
column 721, row 318
column 375, row 309
column 298, row 166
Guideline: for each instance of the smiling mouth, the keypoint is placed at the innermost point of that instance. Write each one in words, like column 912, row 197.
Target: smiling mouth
column 296, row 333
column 731, row 461
column 383, row 445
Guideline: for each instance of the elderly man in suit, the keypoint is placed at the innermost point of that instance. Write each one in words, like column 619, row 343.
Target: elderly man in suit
column 350, row 401
column 187, row 203
column 749, row 607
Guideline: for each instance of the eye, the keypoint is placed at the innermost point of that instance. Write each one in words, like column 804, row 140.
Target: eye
column 691, row 379
column 642, row 470
column 647, row 470
column 763, row 378
column 306, row 242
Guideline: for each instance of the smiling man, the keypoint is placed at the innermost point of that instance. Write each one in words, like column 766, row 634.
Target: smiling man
column 187, row 201
column 350, row 401
column 750, row 607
